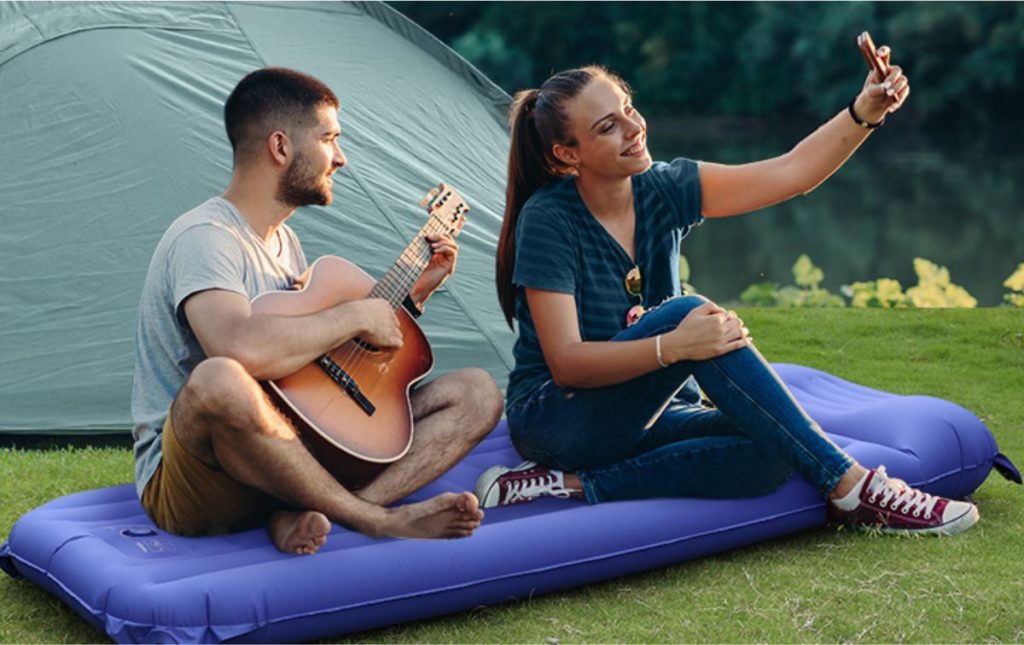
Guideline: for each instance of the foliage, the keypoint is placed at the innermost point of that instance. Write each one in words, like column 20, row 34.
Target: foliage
column 806, row 293
column 934, row 288
column 488, row 50
column 883, row 292
column 744, row 58
column 1016, row 285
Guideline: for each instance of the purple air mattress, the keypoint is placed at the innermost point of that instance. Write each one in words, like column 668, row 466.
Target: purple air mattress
column 101, row 554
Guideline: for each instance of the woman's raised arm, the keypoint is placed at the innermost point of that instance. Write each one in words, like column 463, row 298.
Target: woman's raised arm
column 736, row 189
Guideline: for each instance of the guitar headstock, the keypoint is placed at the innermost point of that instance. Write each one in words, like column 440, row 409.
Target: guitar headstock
column 447, row 207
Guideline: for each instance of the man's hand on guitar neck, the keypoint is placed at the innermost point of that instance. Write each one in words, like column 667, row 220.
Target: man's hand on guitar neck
column 441, row 266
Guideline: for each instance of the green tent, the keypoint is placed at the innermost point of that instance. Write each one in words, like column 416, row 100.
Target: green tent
column 111, row 127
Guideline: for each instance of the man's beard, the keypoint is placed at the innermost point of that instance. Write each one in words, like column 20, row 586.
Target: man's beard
column 301, row 186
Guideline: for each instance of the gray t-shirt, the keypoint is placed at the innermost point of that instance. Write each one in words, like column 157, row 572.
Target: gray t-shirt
column 210, row 247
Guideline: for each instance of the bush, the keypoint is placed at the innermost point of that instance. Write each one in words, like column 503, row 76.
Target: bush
column 933, row 289
column 1016, row 285
column 806, row 293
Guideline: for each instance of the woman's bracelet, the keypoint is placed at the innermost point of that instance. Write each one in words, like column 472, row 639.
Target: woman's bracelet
column 859, row 121
column 657, row 351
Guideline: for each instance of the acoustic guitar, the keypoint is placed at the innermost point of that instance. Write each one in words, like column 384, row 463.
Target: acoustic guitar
column 351, row 405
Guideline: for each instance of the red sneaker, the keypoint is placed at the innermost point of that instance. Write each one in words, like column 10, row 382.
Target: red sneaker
column 502, row 486
column 891, row 506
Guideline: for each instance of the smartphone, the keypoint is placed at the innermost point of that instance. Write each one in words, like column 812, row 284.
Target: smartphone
column 867, row 47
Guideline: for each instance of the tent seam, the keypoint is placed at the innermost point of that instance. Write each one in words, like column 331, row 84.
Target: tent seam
column 245, row 34
column 35, row 26
column 81, row 30
column 373, row 199
column 490, row 93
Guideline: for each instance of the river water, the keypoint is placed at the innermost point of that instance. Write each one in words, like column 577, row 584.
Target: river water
column 952, row 198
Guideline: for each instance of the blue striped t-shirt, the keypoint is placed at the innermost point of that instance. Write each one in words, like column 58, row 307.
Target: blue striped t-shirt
column 561, row 247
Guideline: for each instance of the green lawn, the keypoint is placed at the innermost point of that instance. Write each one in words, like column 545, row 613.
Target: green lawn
column 817, row 586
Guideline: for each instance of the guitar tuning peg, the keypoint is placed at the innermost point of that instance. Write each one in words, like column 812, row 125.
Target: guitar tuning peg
column 430, row 196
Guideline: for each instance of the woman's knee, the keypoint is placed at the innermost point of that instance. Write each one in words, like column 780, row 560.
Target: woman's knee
column 681, row 306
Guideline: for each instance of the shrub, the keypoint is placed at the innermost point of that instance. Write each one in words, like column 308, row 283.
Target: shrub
column 806, row 293
column 883, row 292
column 934, row 288
column 1015, row 283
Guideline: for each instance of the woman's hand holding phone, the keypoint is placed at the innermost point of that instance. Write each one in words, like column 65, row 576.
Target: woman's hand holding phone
column 885, row 88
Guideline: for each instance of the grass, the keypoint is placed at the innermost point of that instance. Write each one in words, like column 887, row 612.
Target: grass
column 822, row 585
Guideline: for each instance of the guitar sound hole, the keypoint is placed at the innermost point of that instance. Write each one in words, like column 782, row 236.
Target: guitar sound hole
column 373, row 349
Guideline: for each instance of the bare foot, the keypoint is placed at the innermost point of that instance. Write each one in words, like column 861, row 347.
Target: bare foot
column 298, row 532
column 449, row 515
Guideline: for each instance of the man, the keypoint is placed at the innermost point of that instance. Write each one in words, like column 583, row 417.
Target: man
column 212, row 452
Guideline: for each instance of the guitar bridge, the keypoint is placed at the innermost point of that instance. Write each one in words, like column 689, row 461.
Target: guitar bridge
column 347, row 383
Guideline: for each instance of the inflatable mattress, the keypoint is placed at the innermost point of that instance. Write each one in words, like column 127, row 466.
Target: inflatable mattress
column 100, row 553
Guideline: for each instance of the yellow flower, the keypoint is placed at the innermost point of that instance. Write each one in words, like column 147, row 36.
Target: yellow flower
column 930, row 273
column 890, row 292
column 934, row 288
column 1016, row 279
column 805, row 274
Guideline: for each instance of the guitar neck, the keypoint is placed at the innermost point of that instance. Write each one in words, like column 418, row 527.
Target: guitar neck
column 403, row 274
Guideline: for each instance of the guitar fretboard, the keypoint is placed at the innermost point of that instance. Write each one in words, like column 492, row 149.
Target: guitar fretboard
column 400, row 278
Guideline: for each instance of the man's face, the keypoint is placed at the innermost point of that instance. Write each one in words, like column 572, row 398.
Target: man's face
column 308, row 179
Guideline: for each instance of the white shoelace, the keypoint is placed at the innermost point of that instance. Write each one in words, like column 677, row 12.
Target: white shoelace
column 526, row 489
column 896, row 494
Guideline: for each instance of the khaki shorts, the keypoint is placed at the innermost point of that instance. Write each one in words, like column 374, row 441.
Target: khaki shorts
column 187, row 497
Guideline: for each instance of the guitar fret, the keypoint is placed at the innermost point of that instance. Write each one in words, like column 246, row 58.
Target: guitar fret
column 399, row 280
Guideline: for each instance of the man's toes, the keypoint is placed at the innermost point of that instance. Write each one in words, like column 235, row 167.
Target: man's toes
column 468, row 503
column 316, row 525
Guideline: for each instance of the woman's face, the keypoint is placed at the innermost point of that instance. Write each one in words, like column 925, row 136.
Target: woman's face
column 611, row 136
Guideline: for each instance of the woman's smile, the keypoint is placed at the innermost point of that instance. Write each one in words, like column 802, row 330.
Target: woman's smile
column 637, row 149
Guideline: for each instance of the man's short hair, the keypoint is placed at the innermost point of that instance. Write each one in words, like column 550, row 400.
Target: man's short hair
column 269, row 99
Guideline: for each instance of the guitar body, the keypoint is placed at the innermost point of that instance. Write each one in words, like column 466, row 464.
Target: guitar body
column 352, row 444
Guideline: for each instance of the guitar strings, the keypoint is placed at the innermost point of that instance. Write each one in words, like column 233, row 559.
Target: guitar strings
column 396, row 283
column 392, row 286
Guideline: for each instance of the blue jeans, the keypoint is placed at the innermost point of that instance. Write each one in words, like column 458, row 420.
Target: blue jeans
column 747, row 445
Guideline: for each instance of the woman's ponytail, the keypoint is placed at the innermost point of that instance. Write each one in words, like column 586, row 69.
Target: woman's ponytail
column 527, row 171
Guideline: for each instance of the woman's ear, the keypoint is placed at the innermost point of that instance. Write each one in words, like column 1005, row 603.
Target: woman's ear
column 566, row 154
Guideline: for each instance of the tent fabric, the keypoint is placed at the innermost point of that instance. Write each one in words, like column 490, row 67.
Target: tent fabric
column 98, row 552
column 112, row 127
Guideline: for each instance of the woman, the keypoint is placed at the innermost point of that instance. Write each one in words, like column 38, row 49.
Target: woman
column 601, row 401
